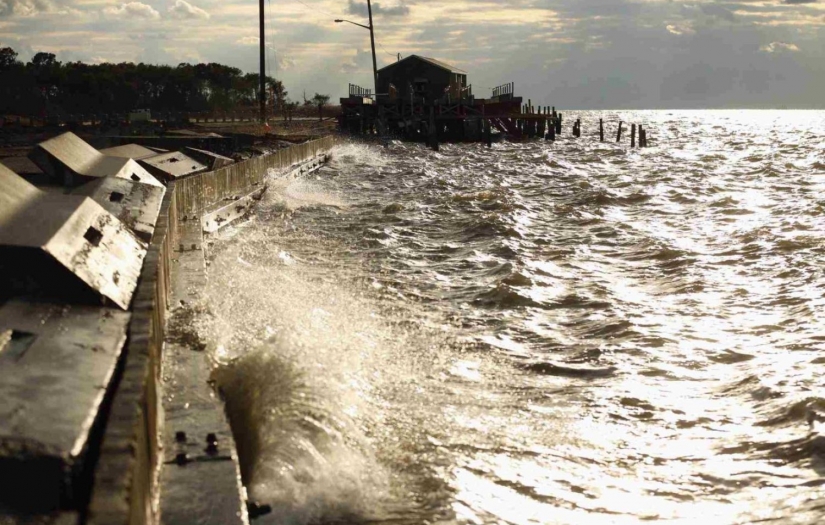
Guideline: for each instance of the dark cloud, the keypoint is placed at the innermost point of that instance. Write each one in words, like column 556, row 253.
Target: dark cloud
column 360, row 8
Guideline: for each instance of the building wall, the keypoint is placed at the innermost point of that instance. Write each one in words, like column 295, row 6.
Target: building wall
column 402, row 74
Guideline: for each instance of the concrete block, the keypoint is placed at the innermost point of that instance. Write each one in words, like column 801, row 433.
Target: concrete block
column 21, row 165
column 64, row 245
column 173, row 165
column 129, row 151
column 69, row 158
column 27, row 169
column 212, row 160
column 136, row 205
column 57, row 363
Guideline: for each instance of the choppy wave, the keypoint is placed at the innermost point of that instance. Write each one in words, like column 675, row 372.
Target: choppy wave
column 536, row 333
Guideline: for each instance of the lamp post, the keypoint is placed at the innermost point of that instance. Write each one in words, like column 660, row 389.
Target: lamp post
column 262, row 76
column 372, row 42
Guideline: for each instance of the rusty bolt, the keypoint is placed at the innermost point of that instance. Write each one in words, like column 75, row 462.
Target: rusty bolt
column 182, row 459
column 180, row 436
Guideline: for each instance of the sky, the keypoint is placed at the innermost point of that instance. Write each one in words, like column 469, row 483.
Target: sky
column 574, row 54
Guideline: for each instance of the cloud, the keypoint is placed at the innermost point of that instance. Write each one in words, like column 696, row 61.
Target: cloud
column 133, row 10
column 183, row 10
column 718, row 11
column 360, row 8
column 28, row 8
column 778, row 47
column 248, row 41
column 680, row 29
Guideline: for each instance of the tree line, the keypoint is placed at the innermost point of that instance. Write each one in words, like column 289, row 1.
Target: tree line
column 44, row 86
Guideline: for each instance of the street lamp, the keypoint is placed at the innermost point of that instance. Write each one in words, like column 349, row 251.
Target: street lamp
column 372, row 42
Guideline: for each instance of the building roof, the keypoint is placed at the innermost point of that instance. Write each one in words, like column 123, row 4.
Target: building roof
column 432, row 61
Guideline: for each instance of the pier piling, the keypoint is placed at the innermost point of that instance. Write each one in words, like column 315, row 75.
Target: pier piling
column 633, row 135
column 488, row 134
column 601, row 130
column 619, row 133
column 432, row 131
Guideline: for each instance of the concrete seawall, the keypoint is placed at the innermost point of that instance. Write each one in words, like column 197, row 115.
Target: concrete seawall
column 125, row 489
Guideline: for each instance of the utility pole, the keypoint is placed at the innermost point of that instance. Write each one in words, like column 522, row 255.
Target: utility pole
column 372, row 41
column 263, row 66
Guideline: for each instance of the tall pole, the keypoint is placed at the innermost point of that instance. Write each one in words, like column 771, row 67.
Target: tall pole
column 263, row 66
column 372, row 41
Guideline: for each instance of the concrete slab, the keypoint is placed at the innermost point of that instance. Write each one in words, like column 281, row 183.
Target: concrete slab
column 64, row 246
column 200, row 481
column 213, row 160
column 135, row 204
column 129, row 151
column 173, row 165
column 228, row 211
column 57, row 362
column 201, row 478
column 69, row 158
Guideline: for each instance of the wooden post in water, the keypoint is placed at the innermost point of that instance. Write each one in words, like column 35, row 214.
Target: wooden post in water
column 488, row 134
column 551, row 136
column 432, row 130
column 633, row 135
column 619, row 133
column 558, row 124
column 601, row 130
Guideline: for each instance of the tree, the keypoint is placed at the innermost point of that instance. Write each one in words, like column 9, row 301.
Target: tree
column 44, row 85
column 280, row 95
column 46, row 72
column 8, row 58
column 320, row 101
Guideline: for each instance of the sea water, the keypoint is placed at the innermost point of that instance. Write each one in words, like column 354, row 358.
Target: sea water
column 570, row 332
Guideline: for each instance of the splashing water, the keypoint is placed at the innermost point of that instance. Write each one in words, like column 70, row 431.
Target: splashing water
column 538, row 333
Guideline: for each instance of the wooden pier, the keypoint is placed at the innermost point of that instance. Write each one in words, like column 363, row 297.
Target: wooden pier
column 424, row 100
column 466, row 120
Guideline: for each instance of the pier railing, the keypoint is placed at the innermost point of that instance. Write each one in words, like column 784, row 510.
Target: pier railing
column 504, row 91
column 358, row 91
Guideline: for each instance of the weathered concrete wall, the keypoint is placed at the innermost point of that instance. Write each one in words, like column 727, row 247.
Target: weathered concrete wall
column 197, row 193
column 127, row 466
column 126, row 474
